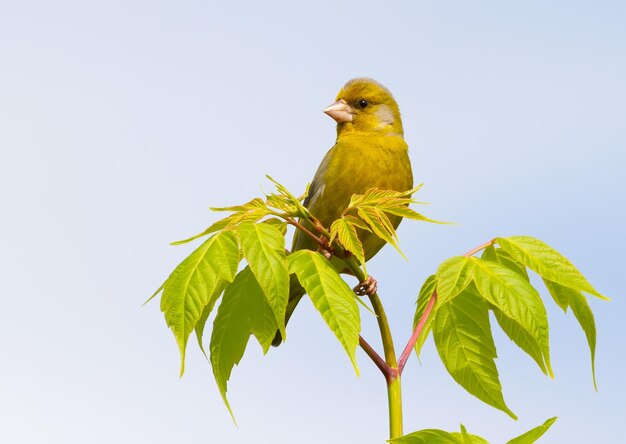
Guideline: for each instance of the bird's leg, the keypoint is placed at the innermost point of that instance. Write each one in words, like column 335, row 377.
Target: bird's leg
column 366, row 288
column 325, row 248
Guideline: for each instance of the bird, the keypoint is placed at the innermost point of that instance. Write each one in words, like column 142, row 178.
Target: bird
column 369, row 152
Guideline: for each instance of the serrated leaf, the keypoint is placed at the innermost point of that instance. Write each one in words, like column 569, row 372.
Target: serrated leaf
column 228, row 223
column 213, row 228
column 282, row 203
column 243, row 310
column 155, row 294
column 499, row 255
column 428, row 436
column 346, row 232
column 568, row 297
column 331, row 296
column 380, row 225
column 357, row 222
column 263, row 247
column 463, row 338
column 300, row 209
column 521, row 338
column 375, row 195
column 254, row 204
column 199, row 327
column 409, row 213
column 426, row 292
column 534, row 434
column 453, row 275
column 547, row 262
column 518, row 301
column 279, row 224
column 468, row 438
column 512, row 329
column 189, row 288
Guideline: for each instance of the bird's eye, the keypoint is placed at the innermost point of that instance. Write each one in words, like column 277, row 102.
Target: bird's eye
column 363, row 103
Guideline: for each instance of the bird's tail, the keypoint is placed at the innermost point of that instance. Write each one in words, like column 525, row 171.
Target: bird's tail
column 296, row 291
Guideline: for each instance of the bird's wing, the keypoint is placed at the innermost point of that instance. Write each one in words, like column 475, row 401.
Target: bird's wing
column 317, row 185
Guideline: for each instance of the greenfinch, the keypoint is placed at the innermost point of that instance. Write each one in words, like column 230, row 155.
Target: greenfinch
column 370, row 152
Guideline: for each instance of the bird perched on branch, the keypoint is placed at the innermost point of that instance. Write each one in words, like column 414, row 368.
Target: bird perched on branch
column 370, row 152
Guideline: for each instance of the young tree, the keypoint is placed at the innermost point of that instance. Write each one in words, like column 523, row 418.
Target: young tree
column 453, row 303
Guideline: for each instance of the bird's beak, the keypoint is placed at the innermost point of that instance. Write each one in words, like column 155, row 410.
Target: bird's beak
column 340, row 111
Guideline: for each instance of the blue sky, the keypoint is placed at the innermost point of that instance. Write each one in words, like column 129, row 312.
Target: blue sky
column 121, row 122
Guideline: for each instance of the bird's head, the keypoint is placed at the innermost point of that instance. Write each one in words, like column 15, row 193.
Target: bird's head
column 365, row 106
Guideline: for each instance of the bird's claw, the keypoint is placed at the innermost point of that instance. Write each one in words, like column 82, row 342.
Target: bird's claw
column 325, row 248
column 366, row 288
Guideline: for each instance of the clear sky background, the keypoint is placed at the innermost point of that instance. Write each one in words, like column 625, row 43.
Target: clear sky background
column 122, row 121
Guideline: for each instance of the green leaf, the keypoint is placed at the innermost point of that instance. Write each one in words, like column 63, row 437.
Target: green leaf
column 243, row 310
column 453, row 275
column 189, row 288
column 154, row 295
column 346, row 232
column 463, row 338
column 263, row 247
column 428, row 436
column 568, row 297
column 512, row 329
column 521, row 337
column 301, row 210
column 468, row 438
column 426, row 292
column 357, row 222
column 228, row 223
column 374, row 196
column 517, row 300
column 278, row 224
column 409, row 213
column 199, row 327
column 499, row 255
column 547, row 262
column 254, row 204
column 381, row 226
column 331, row 296
column 534, row 434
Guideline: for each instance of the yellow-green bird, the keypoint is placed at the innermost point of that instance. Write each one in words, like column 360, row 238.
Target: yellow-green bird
column 370, row 151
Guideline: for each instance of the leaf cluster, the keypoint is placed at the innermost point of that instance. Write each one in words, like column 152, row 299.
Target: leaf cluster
column 254, row 296
column 372, row 211
column 435, row 436
column 466, row 288
column 243, row 268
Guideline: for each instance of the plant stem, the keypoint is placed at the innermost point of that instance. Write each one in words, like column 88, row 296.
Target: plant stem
column 380, row 362
column 390, row 370
column 389, row 367
column 416, row 333
column 394, row 396
column 385, row 332
column 392, row 376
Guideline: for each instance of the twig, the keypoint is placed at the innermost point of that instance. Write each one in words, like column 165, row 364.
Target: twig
column 429, row 308
column 380, row 362
column 475, row 250
column 309, row 233
column 418, row 330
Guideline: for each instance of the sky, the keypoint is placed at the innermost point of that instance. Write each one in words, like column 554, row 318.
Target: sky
column 122, row 122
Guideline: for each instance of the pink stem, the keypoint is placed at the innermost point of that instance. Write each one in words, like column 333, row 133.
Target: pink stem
column 380, row 362
column 418, row 330
column 429, row 308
